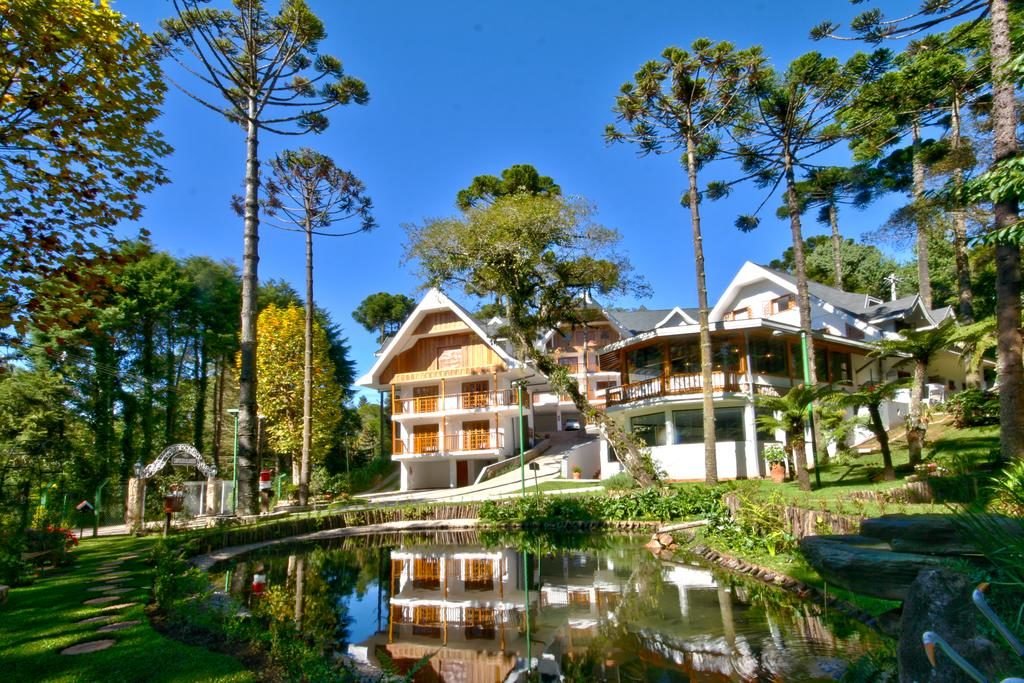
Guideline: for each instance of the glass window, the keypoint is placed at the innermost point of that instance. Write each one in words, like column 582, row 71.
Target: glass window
column 840, row 365
column 821, row 364
column 650, row 429
column 763, row 434
column 644, row 363
column 689, row 426
column 729, row 424
column 768, row 356
column 685, row 358
column 726, row 356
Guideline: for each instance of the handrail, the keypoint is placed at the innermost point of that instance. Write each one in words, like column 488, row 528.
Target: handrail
column 412, row 405
column 670, row 385
column 465, row 441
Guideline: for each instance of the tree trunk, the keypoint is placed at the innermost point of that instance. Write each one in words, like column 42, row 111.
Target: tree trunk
column 878, row 429
column 924, row 281
column 965, row 299
column 1008, row 287
column 633, row 459
column 802, row 293
column 247, row 366
column 798, row 448
column 171, row 409
column 218, row 410
column 837, row 246
column 307, row 372
column 147, row 390
column 915, row 421
column 707, row 388
column 201, row 379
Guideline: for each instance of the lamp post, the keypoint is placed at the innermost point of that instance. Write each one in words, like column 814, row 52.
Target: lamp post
column 234, row 465
column 810, row 408
column 522, row 444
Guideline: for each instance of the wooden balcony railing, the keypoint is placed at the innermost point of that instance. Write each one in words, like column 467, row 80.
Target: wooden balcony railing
column 671, row 385
column 460, row 441
column 503, row 398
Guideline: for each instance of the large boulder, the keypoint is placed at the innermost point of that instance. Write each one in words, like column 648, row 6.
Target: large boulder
column 939, row 600
column 930, row 534
column 865, row 565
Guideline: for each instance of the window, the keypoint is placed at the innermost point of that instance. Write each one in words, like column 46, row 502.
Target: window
column 840, row 366
column 739, row 314
column 685, row 358
column 783, row 303
column 644, row 363
column 476, row 435
column 768, row 356
column 650, row 429
column 763, row 434
column 689, row 425
column 474, row 394
column 726, row 356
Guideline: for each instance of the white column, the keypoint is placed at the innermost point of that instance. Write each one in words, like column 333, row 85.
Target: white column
column 753, row 457
column 404, row 473
column 453, row 475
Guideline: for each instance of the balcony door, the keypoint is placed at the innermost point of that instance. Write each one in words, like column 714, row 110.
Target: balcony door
column 425, row 439
column 425, row 399
column 476, row 435
column 474, row 394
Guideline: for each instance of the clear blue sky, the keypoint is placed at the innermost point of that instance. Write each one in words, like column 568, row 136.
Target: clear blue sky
column 464, row 88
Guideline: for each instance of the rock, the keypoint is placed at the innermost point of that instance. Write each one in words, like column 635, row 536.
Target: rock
column 889, row 622
column 85, row 648
column 929, row 534
column 939, row 600
column 865, row 566
column 665, row 539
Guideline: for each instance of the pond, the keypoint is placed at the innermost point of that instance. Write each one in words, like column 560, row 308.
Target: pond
column 597, row 608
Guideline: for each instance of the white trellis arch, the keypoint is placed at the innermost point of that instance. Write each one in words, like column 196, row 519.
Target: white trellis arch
column 179, row 449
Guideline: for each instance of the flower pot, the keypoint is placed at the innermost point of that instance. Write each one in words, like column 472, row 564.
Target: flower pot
column 174, row 503
column 577, row 474
column 778, row 472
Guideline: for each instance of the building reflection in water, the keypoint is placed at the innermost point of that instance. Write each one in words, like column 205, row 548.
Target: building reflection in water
column 613, row 614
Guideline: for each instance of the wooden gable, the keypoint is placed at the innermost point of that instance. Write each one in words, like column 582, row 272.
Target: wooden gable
column 449, row 355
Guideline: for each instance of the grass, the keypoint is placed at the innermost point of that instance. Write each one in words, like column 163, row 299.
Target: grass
column 562, row 484
column 39, row 621
column 960, row 450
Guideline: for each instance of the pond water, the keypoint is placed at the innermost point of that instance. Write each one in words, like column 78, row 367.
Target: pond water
column 596, row 608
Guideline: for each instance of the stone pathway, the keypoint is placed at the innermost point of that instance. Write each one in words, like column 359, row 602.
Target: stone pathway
column 113, row 574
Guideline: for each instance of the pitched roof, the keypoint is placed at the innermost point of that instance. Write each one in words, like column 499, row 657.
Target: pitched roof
column 848, row 301
column 889, row 309
column 641, row 320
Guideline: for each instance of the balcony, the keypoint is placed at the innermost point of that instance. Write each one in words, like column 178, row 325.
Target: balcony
column 418, row 405
column 671, row 385
column 460, row 442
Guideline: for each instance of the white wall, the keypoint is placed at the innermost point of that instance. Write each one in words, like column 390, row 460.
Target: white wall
column 586, row 456
column 428, row 475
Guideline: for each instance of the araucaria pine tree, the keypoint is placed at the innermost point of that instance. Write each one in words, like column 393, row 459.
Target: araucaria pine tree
column 311, row 194
column 682, row 102
column 264, row 72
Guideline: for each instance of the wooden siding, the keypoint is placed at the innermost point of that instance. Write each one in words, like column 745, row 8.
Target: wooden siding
column 441, row 323
column 432, row 357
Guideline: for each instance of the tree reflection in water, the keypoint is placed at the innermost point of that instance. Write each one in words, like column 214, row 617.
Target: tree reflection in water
column 601, row 608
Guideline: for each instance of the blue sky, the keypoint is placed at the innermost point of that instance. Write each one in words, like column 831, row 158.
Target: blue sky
column 459, row 89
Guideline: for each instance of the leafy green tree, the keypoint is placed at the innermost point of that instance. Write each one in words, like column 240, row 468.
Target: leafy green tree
column 864, row 266
column 281, row 362
column 311, row 194
column 516, row 179
column 789, row 414
column 1003, row 186
column 383, row 313
column 540, row 255
column 264, row 72
column 827, row 188
column 80, row 95
column 684, row 101
column 918, row 347
column 871, row 397
column 33, row 433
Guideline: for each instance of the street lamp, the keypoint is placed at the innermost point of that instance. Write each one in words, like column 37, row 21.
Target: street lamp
column 234, row 465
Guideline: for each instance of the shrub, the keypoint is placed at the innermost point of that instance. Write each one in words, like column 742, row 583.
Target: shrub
column 974, row 408
column 55, row 541
column 620, row 482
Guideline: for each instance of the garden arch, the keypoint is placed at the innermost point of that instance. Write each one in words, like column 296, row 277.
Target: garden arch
column 176, row 455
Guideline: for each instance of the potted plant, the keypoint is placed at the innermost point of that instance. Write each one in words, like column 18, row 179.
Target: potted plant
column 577, row 473
column 775, row 456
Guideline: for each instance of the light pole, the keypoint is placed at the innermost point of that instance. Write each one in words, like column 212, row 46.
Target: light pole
column 234, row 465
column 522, row 444
column 810, row 408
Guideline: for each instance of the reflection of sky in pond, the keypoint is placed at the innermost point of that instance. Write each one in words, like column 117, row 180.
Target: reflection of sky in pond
column 363, row 611
column 612, row 613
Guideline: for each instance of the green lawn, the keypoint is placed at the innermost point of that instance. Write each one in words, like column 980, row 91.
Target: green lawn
column 38, row 621
column 561, row 485
column 957, row 449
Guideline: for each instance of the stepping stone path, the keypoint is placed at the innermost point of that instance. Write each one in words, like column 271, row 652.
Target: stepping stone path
column 93, row 620
column 111, row 608
column 117, row 626
column 85, row 648
column 113, row 574
column 101, row 601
